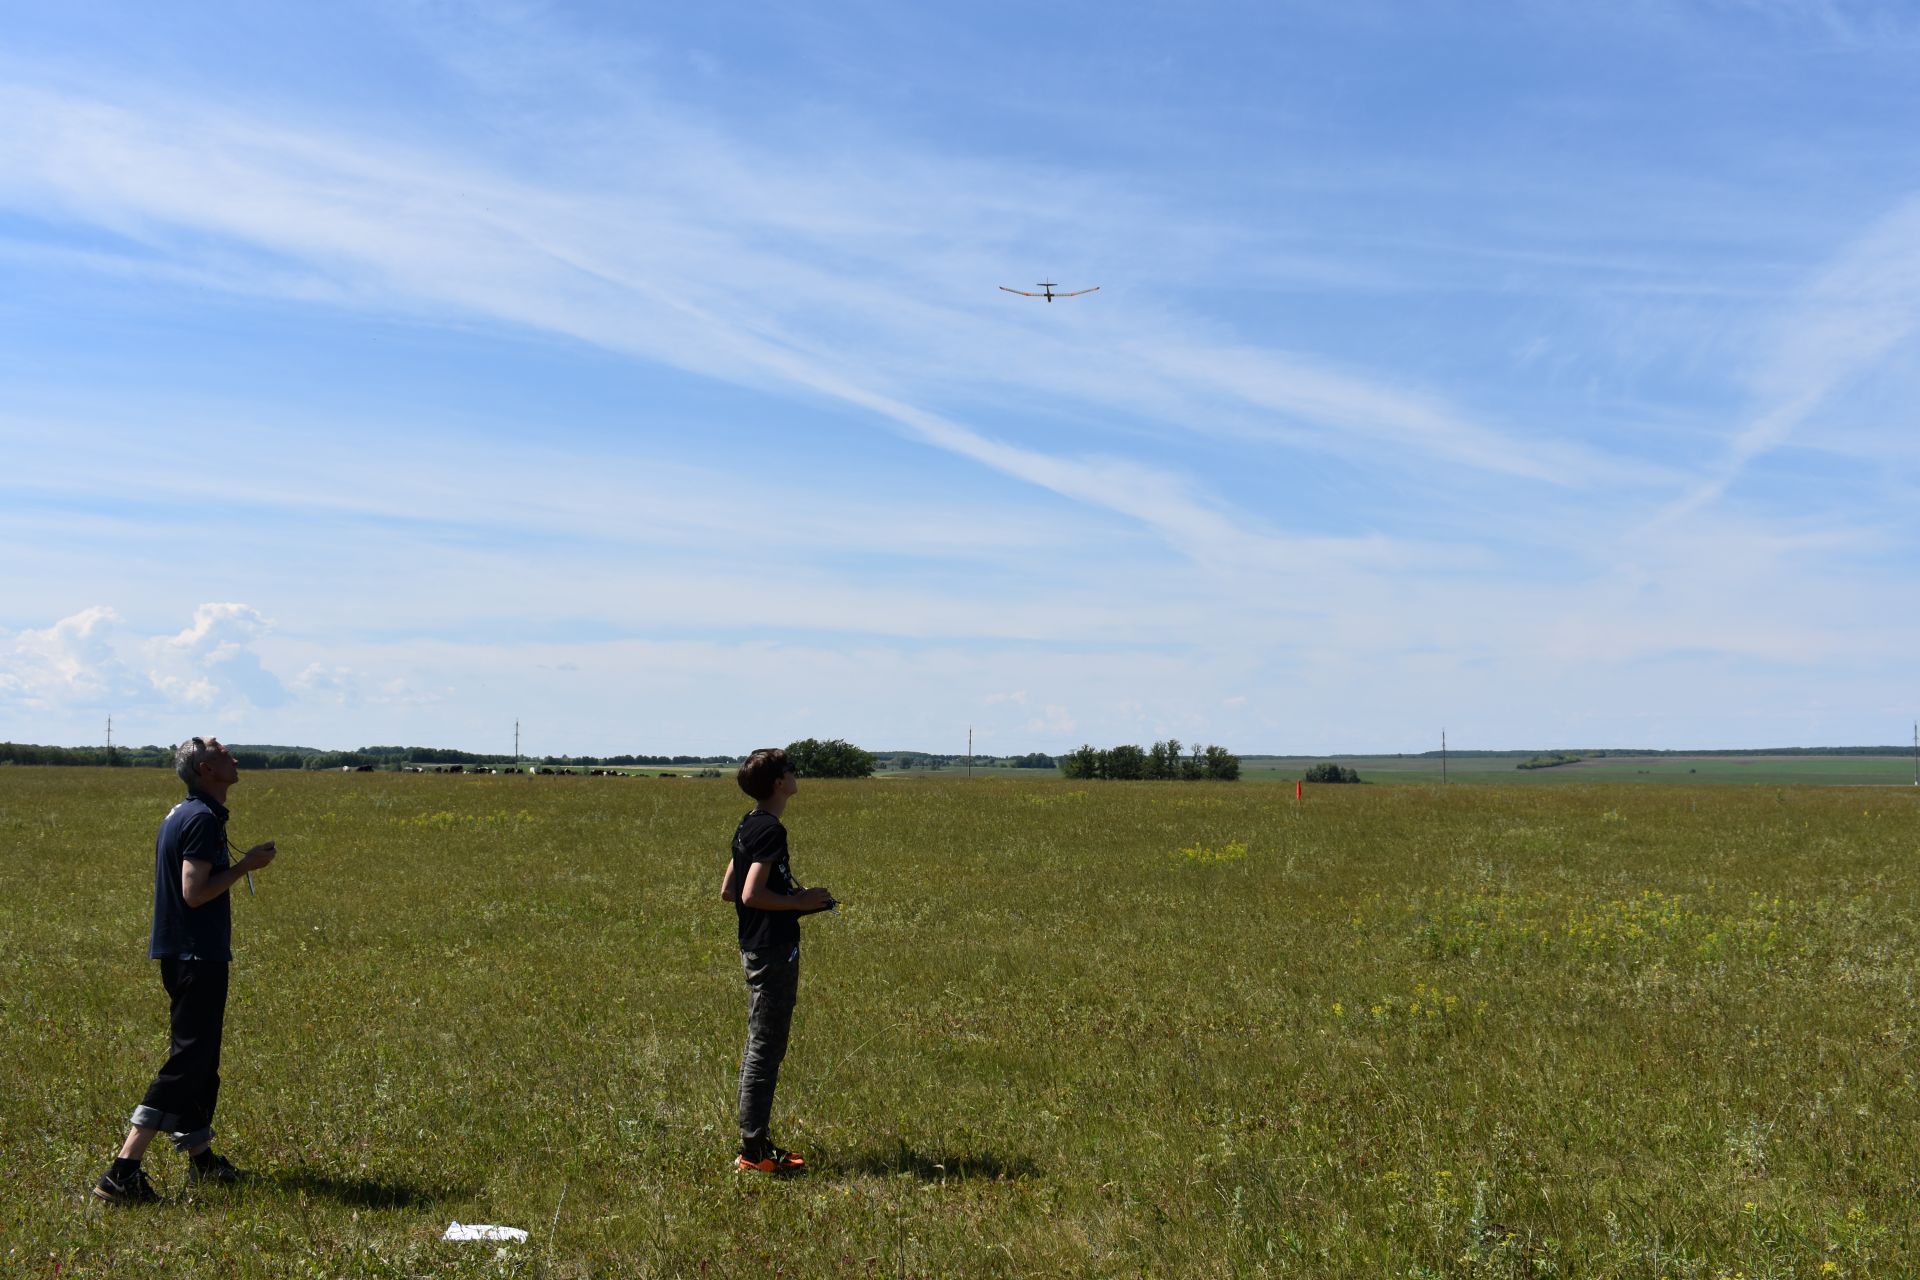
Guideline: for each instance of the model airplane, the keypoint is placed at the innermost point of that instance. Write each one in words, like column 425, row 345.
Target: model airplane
column 1047, row 287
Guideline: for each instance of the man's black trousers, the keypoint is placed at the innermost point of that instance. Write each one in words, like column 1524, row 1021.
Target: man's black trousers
column 181, row 1098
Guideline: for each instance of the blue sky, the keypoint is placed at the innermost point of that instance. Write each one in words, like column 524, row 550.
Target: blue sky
column 387, row 373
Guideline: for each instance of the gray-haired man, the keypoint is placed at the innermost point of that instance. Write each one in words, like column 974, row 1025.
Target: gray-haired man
column 192, row 940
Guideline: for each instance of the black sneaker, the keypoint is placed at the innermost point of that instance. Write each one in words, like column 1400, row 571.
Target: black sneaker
column 212, row 1169
column 125, row 1186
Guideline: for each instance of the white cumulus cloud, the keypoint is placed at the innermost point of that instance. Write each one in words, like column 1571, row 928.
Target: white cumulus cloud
column 75, row 662
column 94, row 660
column 213, row 661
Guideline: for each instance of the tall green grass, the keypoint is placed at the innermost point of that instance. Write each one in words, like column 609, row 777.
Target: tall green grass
column 1058, row 1029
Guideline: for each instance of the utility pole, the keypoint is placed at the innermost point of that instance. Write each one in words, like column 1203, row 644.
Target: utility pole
column 1916, row 753
column 1443, row 757
column 109, row 736
column 516, row 744
column 969, row 751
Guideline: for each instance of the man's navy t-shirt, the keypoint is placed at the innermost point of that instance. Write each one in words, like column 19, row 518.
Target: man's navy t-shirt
column 761, row 838
column 196, row 829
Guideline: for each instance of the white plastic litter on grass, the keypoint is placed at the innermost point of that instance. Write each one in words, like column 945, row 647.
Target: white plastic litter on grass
column 482, row 1231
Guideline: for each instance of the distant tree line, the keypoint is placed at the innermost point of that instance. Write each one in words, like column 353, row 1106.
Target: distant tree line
column 1162, row 761
column 1549, row 760
column 421, row 755
column 113, row 757
column 257, row 757
column 834, row 758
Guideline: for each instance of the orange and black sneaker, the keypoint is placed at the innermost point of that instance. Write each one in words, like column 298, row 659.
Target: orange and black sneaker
column 772, row 1160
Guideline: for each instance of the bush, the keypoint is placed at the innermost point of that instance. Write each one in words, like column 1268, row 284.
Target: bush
column 1331, row 773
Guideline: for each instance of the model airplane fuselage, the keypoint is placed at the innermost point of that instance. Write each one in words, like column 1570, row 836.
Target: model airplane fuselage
column 1047, row 291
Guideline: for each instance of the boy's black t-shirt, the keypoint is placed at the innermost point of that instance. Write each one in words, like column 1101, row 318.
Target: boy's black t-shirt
column 761, row 838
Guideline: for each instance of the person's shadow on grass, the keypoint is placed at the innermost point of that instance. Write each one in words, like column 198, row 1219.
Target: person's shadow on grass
column 358, row 1192
column 935, row 1166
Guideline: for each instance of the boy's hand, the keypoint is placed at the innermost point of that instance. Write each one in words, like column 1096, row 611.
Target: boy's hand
column 258, row 856
column 815, row 899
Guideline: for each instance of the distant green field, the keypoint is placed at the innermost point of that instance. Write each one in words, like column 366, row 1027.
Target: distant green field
column 1778, row 770
column 978, row 771
column 1059, row 1029
column 1772, row 770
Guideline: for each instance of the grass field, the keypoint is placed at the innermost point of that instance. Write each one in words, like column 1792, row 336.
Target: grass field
column 1059, row 1029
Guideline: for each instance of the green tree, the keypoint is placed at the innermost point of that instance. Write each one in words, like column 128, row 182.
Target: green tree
column 1163, row 759
column 834, row 758
column 1222, row 765
column 1193, row 767
column 1083, row 762
column 1126, row 763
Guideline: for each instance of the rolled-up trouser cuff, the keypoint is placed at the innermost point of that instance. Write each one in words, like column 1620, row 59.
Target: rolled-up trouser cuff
column 145, row 1117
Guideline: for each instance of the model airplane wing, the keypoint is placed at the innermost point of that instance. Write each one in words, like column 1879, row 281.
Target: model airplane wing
column 1076, row 293
column 1022, row 292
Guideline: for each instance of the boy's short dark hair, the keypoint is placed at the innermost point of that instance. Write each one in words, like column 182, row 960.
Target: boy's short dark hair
column 763, row 768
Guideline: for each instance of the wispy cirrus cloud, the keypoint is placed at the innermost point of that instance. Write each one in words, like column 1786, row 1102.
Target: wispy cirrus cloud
column 1859, row 310
column 674, row 272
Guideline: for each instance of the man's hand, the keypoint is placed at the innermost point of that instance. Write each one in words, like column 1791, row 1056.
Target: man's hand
column 200, row 884
column 814, row 899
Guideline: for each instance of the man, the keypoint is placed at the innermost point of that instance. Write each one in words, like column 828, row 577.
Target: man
column 769, row 905
column 192, row 940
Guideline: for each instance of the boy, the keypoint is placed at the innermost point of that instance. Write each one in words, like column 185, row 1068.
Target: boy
column 769, row 906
